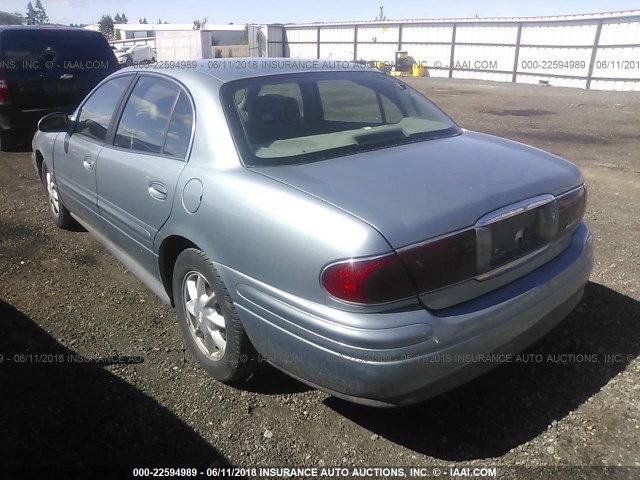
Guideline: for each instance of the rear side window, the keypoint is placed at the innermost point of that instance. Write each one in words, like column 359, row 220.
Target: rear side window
column 95, row 116
column 179, row 131
column 146, row 116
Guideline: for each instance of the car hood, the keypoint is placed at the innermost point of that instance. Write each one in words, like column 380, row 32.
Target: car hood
column 418, row 191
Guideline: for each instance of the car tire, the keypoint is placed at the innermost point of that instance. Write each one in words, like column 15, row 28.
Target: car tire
column 129, row 62
column 153, row 59
column 7, row 141
column 209, row 320
column 58, row 212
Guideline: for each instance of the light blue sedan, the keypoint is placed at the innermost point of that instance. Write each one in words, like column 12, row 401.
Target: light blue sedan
column 333, row 221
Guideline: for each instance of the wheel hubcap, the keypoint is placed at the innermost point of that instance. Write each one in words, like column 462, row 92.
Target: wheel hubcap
column 52, row 189
column 204, row 316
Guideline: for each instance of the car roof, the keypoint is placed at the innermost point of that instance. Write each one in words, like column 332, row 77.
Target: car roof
column 228, row 69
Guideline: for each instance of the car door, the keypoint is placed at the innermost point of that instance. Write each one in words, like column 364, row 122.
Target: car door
column 137, row 174
column 76, row 153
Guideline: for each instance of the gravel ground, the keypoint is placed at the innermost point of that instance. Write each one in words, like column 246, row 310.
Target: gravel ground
column 64, row 299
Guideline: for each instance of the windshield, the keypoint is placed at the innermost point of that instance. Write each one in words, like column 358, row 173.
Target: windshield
column 305, row 117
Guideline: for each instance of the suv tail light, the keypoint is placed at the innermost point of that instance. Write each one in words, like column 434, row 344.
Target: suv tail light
column 4, row 89
column 368, row 280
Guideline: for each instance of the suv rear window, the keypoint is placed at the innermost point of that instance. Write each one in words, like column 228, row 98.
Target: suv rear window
column 31, row 49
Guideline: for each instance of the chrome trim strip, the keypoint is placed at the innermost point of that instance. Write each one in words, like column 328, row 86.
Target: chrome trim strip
column 514, row 209
column 432, row 239
column 514, row 264
column 572, row 191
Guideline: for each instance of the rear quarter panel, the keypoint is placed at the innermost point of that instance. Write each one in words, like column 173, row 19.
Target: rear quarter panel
column 252, row 225
column 269, row 232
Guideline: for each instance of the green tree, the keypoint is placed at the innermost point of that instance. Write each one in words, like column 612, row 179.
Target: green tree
column 117, row 18
column 36, row 15
column 123, row 19
column 244, row 40
column 200, row 24
column 106, row 26
column 41, row 14
column 7, row 18
column 31, row 17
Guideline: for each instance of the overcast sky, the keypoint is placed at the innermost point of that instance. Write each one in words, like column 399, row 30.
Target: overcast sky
column 261, row 11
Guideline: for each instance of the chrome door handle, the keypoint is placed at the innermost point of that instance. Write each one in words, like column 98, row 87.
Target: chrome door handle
column 158, row 190
column 88, row 163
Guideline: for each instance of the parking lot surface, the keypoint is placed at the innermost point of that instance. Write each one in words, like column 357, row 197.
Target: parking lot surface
column 65, row 299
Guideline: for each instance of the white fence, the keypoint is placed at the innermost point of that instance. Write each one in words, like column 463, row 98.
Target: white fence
column 597, row 51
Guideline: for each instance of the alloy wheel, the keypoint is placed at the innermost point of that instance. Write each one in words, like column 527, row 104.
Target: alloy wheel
column 204, row 316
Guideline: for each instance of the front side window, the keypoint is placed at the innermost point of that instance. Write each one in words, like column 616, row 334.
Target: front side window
column 146, row 116
column 95, row 115
column 344, row 113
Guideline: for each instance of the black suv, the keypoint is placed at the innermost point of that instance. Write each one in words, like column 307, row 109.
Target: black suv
column 46, row 69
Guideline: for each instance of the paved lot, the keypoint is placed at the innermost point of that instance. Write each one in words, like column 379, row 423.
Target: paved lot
column 61, row 293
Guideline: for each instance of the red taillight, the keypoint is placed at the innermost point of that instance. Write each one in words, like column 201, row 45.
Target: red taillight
column 368, row 280
column 437, row 263
column 4, row 90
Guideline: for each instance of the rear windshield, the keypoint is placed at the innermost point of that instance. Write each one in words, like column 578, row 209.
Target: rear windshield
column 305, row 117
column 56, row 49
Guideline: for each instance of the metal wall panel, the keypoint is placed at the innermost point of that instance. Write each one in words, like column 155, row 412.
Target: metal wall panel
column 337, row 51
column 302, row 34
column 615, row 85
column 620, row 33
column 433, row 55
column 552, row 81
column 481, row 57
column 441, row 33
column 560, row 61
column 619, row 63
column 487, row 34
column 383, row 33
column 495, row 77
column 303, row 50
column 562, row 34
column 377, row 52
column 329, row 35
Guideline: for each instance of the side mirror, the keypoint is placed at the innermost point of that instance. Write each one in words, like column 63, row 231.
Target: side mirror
column 54, row 122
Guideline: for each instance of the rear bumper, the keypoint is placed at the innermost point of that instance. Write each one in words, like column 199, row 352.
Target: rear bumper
column 402, row 357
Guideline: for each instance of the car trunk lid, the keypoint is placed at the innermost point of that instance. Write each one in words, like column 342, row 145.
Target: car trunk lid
column 419, row 191
column 455, row 209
